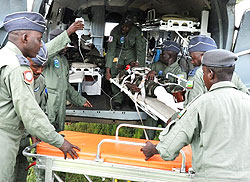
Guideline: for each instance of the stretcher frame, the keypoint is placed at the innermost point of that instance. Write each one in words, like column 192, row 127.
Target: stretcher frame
column 140, row 100
column 103, row 169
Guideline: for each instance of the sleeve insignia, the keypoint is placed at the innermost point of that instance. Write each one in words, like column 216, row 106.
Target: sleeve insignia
column 56, row 63
column 110, row 39
column 28, row 76
column 190, row 84
column 122, row 40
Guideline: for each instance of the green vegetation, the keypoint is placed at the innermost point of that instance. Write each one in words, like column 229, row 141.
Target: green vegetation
column 104, row 129
column 31, row 175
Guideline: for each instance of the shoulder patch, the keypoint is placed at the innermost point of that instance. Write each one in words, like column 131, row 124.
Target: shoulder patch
column 56, row 63
column 190, row 84
column 122, row 39
column 23, row 60
column 110, row 39
column 28, row 76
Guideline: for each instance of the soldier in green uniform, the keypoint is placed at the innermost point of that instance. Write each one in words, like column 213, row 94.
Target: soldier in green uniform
column 18, row 107
column 216, row 124
column 168, row 62
column 36, row 64
column 56, row 75
column 126, row 46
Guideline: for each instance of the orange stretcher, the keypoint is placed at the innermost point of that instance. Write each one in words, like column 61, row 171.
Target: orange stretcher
column 114, row 157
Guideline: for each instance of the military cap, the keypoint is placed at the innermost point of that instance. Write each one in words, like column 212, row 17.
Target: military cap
column 42, row 56
column 24, row 21
column 201, row 43
column 55, row 33
column 219, row 58
column 170, row 46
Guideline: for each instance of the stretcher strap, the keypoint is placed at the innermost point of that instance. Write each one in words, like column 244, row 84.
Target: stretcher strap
column 142, row 87
column 132, row 77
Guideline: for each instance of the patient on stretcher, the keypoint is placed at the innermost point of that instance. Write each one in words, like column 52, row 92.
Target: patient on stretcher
column 152, row 81
column 136, row 80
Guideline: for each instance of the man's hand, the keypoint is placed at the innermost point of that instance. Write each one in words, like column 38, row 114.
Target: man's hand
column 87, row 104
column 149, row 150
column 108, row 74
column 74, row 27
column 151, row 75
column 133, row 87
column 69, row 148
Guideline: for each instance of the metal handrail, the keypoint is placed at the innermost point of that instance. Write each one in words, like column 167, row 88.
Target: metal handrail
column 135, row 126
column 26, row 151
column 115, row 141
column 183, row 162
column 98, row 158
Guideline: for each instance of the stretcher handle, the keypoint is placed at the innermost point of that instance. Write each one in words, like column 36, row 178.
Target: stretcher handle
column 183, row 162
column 115, row 141
column 27, row 150
column 135, row 126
